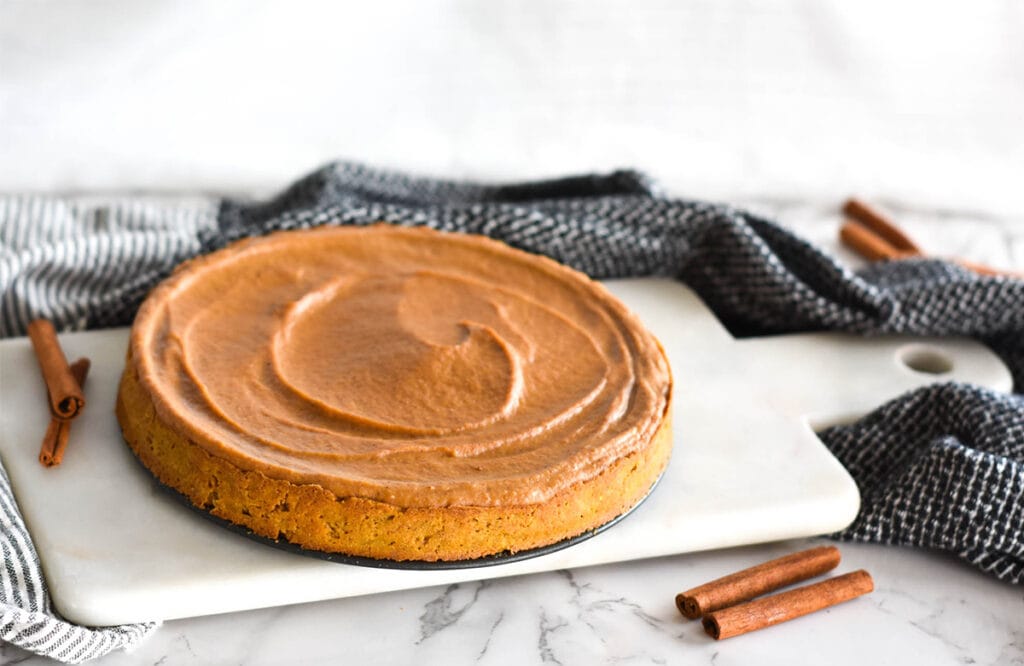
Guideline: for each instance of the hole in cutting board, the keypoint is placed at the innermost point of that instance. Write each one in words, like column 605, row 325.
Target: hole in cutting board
column 924, row 359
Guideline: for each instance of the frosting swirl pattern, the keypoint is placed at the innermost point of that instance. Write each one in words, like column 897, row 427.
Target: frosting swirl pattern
column 404, row 365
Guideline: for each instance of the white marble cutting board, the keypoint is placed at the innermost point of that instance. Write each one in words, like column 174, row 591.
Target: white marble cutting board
column 746, row 468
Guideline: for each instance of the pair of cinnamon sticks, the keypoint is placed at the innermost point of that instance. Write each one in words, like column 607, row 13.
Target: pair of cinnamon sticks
column 728, row 607
column 63, row 387
column 873, row 235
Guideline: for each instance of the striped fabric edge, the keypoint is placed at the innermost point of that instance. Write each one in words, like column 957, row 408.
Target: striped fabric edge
column 67, row 257
column 54, row 638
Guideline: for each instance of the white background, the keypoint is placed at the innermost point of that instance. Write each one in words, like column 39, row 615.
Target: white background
column 915, row 102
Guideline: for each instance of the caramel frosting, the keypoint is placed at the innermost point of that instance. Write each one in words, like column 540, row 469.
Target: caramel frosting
column 405, row 365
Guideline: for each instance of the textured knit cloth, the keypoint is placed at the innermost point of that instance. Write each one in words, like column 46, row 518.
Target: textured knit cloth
column 940, row 467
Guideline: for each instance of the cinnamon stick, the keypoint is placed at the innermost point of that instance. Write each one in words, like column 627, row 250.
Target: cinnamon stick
column 784, row 606
column 982, row 269
column 55, row 441
column 65, row 394
column 755, row 581
column 874, row 236
column 869, row 245
column 879, row 223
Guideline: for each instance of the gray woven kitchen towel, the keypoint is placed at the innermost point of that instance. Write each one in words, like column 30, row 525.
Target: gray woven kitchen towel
column 941, row 467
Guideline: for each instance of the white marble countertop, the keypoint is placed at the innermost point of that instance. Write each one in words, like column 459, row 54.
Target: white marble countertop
column 927, row 608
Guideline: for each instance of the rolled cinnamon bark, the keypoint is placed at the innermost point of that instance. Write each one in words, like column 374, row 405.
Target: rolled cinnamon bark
column 755, row 581
column 765, row 612
column 982, row 269
column 875, row 237
column 881, row 225
column 55, row 441
column 66, row 398
column 869, row 245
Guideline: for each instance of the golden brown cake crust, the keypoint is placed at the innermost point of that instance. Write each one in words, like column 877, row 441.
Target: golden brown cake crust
column 311, row 517
column 396, row 393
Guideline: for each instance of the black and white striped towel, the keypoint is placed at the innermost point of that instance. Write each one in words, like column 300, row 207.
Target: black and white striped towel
column 941, row 467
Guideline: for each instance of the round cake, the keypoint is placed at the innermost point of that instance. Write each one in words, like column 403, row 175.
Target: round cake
column 396, row 393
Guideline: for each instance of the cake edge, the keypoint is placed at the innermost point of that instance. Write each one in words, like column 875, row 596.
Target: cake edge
column 311, row 517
